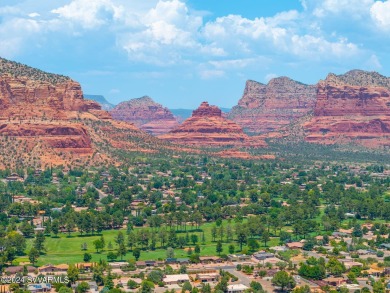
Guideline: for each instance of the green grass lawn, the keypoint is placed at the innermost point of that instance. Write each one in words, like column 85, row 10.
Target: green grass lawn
column 64, row 249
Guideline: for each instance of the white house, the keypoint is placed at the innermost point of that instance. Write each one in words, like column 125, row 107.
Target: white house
column 176, row 279
column 236, row 288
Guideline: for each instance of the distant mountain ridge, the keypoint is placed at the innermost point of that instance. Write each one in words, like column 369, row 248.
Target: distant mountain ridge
column 145, row 113
column 269, row 107
column 106, row 105
column 352, row 108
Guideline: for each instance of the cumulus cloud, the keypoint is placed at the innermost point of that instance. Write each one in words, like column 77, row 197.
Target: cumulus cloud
column 89, row 13
column 265, row 35
column 15, row 34
column 352, row 8
column 380, row 12
column 168, row 32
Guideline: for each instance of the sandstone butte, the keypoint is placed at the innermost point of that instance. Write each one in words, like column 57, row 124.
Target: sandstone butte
column 208, row 127
column 146, row 114
column 272, row 107
column 43, row 114
column 354, row 107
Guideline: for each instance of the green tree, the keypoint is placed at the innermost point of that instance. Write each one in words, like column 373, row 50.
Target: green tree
column 33, row 255
column 64, row 289
column 121, row 252
column 99, row 245
column 17, row 241
column 253, row 245
column 219, row 247
column 73, row 274
column 39, row 242
column 87, row 257
column 378, row 287
column 111, row 256
column 265, row 237
column 283, row 280
column 213, row 233
column 27, row 229
column 256, row 286
column 187, row 287
column 147, row 287
column 137, row 253
column 302, row 289
column 120, row 238
column 335, row 267
column 55, row 227
column 170, row 252
column 131, row 284
column 155, row 276
column 241, row 236
column 82, row 287
column 194, row 238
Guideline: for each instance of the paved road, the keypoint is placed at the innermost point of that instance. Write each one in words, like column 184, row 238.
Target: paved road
column 241, row 276
column 101, row 193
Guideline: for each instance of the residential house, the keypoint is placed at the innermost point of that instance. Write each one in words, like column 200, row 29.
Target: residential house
column 237, row 288
column 295, row 245
column 18, row 269
column 238, row 257
column 263, row 255
column 39, row 288
column 176, row 279
column 206, row 278
column 209, row 259
column 182, row 261
column 53, row 268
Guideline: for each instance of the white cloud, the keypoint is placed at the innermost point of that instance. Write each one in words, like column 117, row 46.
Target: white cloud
column 345, row 8
column 211, row 74
column 167, row 32
column 232, row 64
column 373, row 63
column 380, row 12
column 266, row 35
column 89, row 13
column 16, row 34
column 9, row 10
column 317, row 47
column 34, row 14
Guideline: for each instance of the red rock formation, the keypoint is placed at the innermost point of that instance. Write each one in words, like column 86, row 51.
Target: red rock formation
column 267, row 108
column 43, row 99
column 146, row 114
column 207, row 127
column 45, row 113
column 57, row 136
column 352, row 107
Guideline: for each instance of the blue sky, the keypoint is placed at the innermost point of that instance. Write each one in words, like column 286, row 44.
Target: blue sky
column 184, row 52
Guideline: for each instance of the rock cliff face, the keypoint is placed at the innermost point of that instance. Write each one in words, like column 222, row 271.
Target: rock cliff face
column 44, row 112
column 28, row 93
column 207, row 127
column 354, row 107
column 146, row 114
column 267, row 108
